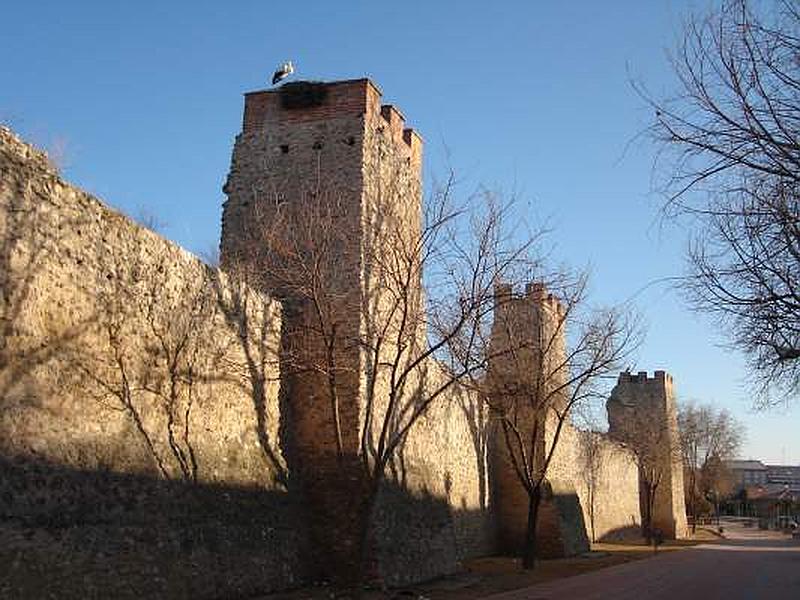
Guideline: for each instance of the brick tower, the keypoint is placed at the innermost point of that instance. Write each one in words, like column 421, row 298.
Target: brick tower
column 531, row 324
column 319, row 174
column 642, row 414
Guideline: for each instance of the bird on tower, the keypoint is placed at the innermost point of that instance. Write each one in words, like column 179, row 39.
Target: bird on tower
column 282, row 72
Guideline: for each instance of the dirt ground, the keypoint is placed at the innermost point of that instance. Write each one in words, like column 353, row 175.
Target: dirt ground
column 492, row 575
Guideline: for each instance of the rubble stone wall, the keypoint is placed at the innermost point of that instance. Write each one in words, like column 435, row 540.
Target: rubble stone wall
column 603, row 475
column 157, row 438
column 140, row 427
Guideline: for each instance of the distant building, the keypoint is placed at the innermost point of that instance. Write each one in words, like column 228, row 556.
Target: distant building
column 769, row 492
column 784, row 475
column 772, row 503
column 748, row 473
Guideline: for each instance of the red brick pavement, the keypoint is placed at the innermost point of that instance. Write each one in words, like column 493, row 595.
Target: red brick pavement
column 747, row 566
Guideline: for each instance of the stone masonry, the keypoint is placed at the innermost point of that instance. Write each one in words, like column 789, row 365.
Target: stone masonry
column 529, row 321
column 157, row 438
column 139, row 409
column 642, row 412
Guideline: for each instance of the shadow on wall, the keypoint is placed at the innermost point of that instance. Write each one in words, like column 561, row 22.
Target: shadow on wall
column 136, row 386
column 419, row 536
column 561, row 529
column 69, row 533
column 476, row 415
column 629, row 533
column 235, row 302
column 26, row 242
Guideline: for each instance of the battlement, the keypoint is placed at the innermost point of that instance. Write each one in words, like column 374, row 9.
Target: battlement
column 306, row 101
column 642, row 378
column 535, row 295
column 302, row 101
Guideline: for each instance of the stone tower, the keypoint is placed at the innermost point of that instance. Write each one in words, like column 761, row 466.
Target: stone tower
column 336, row 160
column 642, row 414
column 531, row 324
column 321, row 175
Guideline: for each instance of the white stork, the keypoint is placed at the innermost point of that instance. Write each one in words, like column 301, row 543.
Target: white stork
column 282, row 72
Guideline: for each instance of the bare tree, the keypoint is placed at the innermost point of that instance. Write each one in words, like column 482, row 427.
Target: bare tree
column 378, row 348
column 149, row 219
column 730, row 149
column 545, row 373
column 590, row 462
column 210, row 255
column 652, row 440
column 155, row 350
column 708, row 436
column 717, row 482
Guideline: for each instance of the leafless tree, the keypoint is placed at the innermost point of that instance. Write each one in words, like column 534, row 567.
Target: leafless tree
column 730, row 150
column 427, row 287
column 149, row 220
column 59, row 152
column 154, row 351
column 590, row 462
column 717, row 482
column 210, row 255
column 708, row 436
column 545, row 374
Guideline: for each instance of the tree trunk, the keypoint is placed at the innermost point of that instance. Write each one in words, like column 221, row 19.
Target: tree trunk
column 693, row 500
column 647, row 517
column 529, row 549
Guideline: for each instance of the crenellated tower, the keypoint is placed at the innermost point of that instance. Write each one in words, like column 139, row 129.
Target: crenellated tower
column 642, row 414
column 528, row 336
column 324, row 181
column 317, row 172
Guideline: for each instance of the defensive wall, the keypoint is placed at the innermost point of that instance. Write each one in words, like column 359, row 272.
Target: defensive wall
column 139, row 411
column 107, row 488
column 153, row 442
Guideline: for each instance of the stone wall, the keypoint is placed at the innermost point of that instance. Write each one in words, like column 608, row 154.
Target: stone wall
column 161, row 432
column 140, row 427
column 433, row 511
column 603, row 475
column 592, row 482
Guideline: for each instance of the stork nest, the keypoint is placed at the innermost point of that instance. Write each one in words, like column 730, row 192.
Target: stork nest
column 303, row 94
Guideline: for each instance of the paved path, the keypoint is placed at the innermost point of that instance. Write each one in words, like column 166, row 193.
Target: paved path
column 749, row 565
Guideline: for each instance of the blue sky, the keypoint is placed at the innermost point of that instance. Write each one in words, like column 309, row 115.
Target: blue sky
column 532, row 97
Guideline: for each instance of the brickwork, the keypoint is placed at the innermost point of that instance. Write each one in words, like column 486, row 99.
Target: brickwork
column 312, row 146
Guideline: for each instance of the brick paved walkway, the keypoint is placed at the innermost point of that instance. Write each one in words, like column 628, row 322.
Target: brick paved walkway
column 750, row 565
